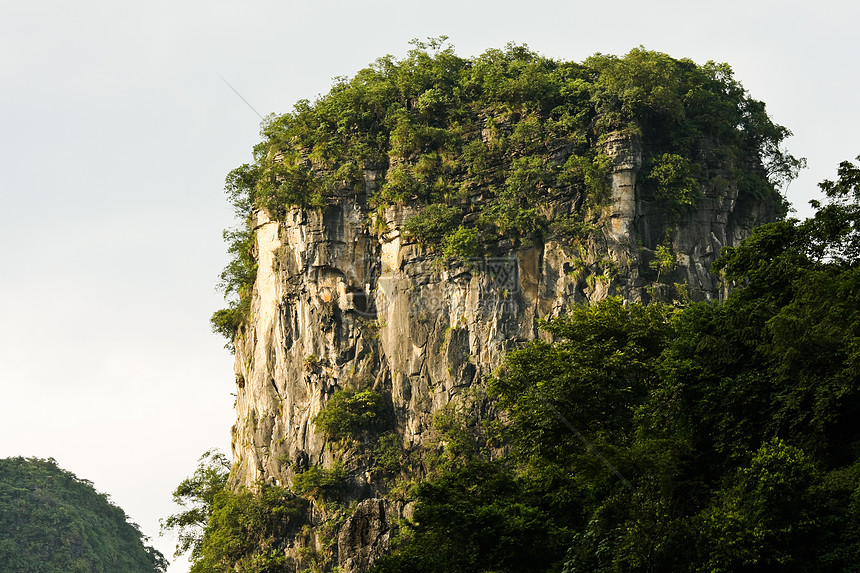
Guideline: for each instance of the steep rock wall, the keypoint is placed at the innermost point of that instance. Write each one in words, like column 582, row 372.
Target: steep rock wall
column 339, row 303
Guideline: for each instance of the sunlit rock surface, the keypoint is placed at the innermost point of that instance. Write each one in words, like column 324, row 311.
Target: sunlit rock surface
column 345, row 299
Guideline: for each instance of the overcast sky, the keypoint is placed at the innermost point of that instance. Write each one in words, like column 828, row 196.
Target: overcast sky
column 116, row 132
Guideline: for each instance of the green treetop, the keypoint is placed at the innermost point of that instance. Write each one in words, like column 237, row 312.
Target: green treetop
column 486, row 143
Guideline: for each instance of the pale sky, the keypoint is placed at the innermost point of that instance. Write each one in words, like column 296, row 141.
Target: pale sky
column 116, row 133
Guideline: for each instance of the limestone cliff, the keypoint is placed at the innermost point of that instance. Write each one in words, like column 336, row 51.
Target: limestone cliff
column 401, row 234
column 340, row 303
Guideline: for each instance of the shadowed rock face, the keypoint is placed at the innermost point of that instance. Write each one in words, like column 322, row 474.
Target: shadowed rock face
column 337, row 304
column 364, row 536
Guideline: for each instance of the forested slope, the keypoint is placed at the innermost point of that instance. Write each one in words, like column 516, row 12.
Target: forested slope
column 687, row 401
column 52, row 521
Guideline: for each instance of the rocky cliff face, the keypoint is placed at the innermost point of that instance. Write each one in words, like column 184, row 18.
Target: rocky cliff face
column 342, row 303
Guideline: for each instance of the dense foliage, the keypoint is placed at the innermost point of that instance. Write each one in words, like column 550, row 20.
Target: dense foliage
column 248, row 531
column 225, row 530
column 716, row 437
column 700, row 437
column 51, row 520
column 352, row 414
column 486, row 144
column 709, row 437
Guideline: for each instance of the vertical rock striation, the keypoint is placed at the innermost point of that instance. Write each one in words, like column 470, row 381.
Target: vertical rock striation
column 340, row 303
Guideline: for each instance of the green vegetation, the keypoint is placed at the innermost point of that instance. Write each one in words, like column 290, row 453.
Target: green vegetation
column 434, row 223
column 224, row 529
column 362, row 417
column 312, row 362
column 318, row 482
column 484, row 145
column 51, row 520
column 351, row 414
column 247, row 531
column 703, row 437
column 232, row 530
column 693, row 437
column 196, row 496
column 388, row 454
column 711, row 437
column 664, row 261
column 671, row 177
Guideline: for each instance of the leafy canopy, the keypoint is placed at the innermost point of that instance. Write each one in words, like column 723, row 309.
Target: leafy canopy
column 482, row 146
column 225, row 529
column 350, row 414
column 51, row 520
column 711, row 437
column 715, row 437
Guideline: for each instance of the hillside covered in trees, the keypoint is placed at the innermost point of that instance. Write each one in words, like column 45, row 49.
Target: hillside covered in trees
column 52, row 521
column 658, row 433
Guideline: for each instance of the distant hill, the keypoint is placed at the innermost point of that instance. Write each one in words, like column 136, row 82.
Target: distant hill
column 51, row 520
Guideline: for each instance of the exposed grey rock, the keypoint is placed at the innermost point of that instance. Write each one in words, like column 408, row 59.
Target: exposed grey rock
column 364, row 536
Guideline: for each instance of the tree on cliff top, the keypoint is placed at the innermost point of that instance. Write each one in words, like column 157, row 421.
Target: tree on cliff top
column 487, row 143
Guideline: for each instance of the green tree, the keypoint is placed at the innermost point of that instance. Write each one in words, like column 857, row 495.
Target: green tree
column 664, row 261
column 196, row 496
column 671, row 177
column 477, row 517
column 319, row 482
column 352, row 414
column 434, row 223
column 249, row 531
column 764, row 516
column 799, row 289
column 462, row 243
